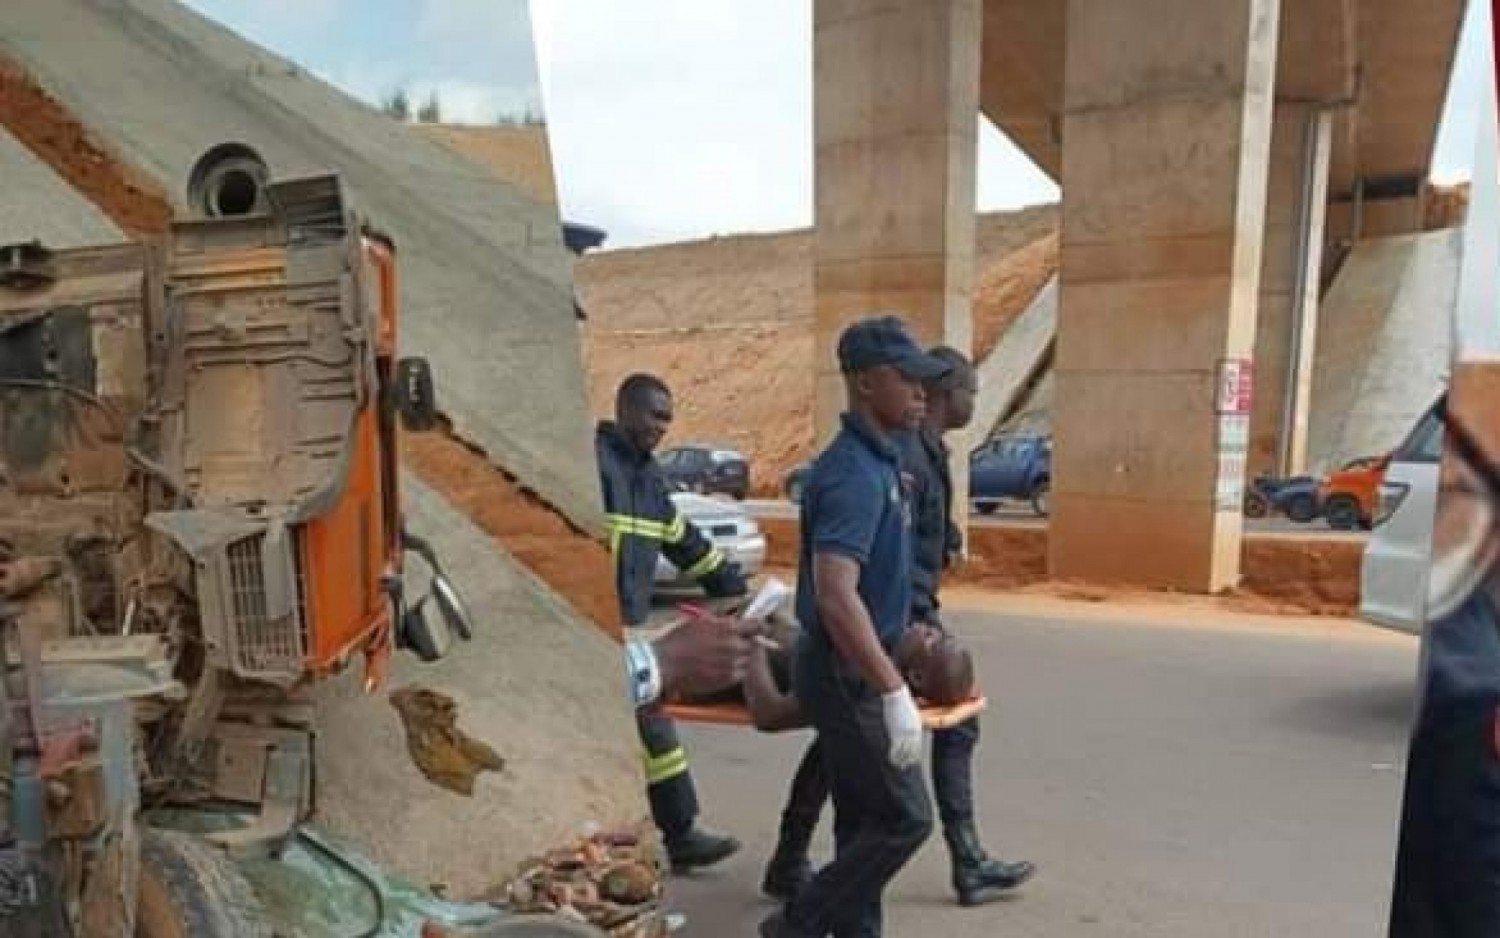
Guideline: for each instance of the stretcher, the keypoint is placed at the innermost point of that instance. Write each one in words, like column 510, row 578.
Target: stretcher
column 734, row 713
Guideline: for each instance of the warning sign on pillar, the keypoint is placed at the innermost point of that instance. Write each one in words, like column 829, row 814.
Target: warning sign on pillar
column 1236, row 386
column 1229, row 495
column 1235, row 392
column 1234, row 445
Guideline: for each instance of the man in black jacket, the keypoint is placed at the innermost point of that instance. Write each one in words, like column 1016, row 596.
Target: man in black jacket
column 977, row 878
column 644, row 524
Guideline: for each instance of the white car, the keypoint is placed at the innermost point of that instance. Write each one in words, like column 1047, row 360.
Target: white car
column 727, row 525
column 1398, row 558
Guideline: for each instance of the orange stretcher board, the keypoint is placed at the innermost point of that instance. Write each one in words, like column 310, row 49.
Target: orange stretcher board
column 735, row 714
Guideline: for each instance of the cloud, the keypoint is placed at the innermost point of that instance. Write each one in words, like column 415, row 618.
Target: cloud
column 480, row 41
column 673, row 120
column 256, row 18
column 476, row 55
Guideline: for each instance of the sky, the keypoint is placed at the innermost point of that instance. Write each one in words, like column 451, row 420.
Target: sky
column 478, row 55
column 668, row 119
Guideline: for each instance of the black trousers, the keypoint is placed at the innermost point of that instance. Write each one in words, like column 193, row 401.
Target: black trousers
column 1448, row 859
column 882, row 814
column 669, row 783
column 952, row 782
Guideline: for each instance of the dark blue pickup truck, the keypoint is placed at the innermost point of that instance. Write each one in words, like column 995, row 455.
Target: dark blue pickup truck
column 1010, row 468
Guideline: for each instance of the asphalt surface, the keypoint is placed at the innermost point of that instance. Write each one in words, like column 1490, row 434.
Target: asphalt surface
column 1173, row 772
column 1020, row 515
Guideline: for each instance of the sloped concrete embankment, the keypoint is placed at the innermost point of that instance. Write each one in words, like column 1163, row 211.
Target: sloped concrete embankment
column 119, row 99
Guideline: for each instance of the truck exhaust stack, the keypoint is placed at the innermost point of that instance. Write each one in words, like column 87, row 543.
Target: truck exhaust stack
column 228, row 181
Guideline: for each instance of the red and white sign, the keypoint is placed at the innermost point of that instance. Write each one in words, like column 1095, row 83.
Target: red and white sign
column 1236, row 386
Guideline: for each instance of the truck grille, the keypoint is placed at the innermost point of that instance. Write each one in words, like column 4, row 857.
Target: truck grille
column 261, row 648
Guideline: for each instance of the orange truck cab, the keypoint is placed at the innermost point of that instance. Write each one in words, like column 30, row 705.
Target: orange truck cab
column 1349, row 495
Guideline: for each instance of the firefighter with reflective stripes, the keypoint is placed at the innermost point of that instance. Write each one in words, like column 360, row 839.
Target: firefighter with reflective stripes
column 643, row 525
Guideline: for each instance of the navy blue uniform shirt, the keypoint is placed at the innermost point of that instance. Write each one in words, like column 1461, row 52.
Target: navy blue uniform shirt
column 925, row 460
column 854, row 505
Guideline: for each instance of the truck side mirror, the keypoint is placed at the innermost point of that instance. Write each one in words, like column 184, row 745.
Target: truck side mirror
column 414, row 395
column 418, row 633
column 451, row 605
column 428, row 633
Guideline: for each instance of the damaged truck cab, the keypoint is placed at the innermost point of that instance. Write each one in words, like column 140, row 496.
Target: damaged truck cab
column 199, row 517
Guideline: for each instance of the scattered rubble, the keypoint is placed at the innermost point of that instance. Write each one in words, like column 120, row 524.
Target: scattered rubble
column 611, row 880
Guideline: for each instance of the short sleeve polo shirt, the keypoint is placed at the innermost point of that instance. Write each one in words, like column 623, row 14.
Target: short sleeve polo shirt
column 854, row 504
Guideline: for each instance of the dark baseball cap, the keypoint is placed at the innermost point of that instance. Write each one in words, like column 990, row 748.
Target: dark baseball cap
column 883, row 340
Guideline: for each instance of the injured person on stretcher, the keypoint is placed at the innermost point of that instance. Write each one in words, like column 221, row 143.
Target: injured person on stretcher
column 937, row 668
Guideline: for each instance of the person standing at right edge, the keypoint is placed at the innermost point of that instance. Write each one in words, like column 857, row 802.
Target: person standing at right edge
column 854, row 601
column 1447, row 879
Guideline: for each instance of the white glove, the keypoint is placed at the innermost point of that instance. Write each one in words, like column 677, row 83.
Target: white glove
column 903, row 723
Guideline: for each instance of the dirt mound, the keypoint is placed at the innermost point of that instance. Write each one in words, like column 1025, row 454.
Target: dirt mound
column 47, row 129
column 748, row 279
column 1281, row 575
column 576, row 566
column 1006, row 287
column 727, row 322
column 1445, row 206
column 518, row 155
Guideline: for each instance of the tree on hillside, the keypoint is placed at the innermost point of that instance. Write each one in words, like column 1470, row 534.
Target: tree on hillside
column 431, row 111
column 397, row 104
column 530, row 116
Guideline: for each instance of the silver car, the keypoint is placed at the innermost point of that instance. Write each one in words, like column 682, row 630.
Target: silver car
column 728, row 526
column 1398, row 557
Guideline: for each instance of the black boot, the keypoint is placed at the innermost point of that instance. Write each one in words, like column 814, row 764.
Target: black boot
column 699, row 848
column 976, row 877
column 789, row 869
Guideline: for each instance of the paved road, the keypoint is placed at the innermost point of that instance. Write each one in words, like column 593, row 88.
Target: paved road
column 1019, row 515
column 1173, row 772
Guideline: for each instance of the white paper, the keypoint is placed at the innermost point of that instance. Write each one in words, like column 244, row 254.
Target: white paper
column 772, row 595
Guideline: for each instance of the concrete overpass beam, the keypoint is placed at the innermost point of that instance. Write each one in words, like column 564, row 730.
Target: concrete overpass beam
column 895, row 110
column 1291, row 266
column 1166, row 135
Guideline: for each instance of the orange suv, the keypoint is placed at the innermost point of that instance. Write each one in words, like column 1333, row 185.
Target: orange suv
column 1348, row 496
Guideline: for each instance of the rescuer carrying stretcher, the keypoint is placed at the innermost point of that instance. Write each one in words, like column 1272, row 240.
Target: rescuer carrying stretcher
column 643, row 525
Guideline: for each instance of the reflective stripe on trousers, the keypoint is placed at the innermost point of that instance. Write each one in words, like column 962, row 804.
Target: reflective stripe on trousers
column 665, row 766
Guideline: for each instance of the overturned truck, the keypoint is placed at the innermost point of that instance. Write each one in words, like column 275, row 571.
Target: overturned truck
column 200, row 518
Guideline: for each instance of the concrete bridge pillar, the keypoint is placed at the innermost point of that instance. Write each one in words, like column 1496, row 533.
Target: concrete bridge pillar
column 1291, row 263
column 1166, row 132
column 895, row 108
